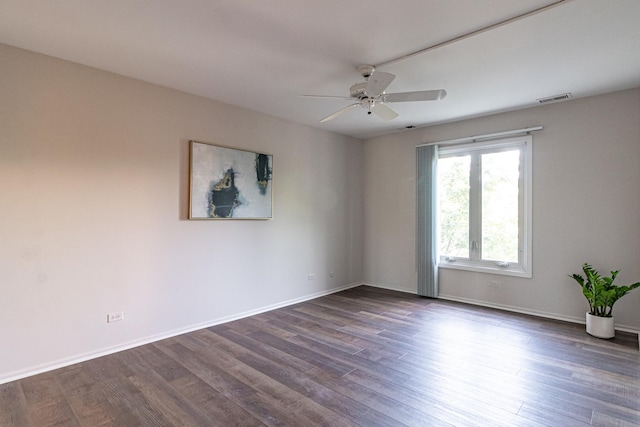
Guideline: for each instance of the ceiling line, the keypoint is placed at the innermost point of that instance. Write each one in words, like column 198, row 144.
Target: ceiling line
column 473, row 33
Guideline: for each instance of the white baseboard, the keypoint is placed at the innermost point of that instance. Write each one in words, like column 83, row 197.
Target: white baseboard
column 520, row 310
column 17, row 375
column 513, row 309
column 390, row 288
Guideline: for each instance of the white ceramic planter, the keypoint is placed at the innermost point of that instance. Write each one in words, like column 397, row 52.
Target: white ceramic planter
column 601, row 327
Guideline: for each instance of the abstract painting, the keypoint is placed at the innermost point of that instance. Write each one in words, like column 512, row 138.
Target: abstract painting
column 227, row 183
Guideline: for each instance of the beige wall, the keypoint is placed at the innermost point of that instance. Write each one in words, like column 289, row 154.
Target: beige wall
column 93, row 205
column 586, row 206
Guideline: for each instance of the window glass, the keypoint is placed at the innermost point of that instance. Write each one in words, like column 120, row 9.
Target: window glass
column 500, row 175
column 453, row 200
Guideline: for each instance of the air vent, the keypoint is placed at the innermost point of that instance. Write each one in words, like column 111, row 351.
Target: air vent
column 554, row 98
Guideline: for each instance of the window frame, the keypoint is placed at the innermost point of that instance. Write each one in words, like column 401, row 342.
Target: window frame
column 523, row 268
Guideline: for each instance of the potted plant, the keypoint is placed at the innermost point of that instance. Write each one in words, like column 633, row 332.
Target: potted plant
column 601, row 294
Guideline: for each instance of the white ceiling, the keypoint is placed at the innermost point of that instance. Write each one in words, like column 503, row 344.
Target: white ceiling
column 263, row 55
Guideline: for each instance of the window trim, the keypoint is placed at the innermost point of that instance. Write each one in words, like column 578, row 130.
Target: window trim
column 524, row 266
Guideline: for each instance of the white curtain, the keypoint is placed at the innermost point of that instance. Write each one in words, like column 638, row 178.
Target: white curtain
column 426, row 251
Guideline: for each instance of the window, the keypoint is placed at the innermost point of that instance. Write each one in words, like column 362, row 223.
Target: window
column 484, row 206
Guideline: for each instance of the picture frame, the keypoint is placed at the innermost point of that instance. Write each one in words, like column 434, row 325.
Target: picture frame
column 229, row 183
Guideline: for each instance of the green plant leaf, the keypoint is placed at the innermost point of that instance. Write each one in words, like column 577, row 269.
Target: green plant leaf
column 600, row 292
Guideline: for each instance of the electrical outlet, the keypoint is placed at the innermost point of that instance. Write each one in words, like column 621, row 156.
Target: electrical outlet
column 493, row 284
column 311, row 276
column 115, row 317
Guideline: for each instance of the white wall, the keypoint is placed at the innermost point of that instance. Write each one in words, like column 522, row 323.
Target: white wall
column 94, row 202
column 586, row 202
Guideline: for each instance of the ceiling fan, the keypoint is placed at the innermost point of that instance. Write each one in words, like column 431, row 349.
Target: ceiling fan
column 371, row 95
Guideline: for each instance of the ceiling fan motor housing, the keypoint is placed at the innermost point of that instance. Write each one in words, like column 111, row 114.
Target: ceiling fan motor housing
column 358, row 90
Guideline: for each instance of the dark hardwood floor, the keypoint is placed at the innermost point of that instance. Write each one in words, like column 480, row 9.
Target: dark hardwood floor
column 365, row 356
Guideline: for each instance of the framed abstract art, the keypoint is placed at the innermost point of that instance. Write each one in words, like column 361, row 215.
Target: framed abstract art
column 228, row 183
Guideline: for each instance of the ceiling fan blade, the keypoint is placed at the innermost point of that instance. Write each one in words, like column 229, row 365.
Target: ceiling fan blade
column 378, row 82
column 422, row 95
column 326, row 96
column 340, row 111
column 384, row 112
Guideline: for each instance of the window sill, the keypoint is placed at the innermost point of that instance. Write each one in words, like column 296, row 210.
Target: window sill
column 515, row 270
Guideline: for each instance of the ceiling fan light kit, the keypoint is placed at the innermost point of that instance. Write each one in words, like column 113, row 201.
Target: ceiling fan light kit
column 371, row 95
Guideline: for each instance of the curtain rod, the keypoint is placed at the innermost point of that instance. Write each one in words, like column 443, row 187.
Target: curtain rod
column 485, row 136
